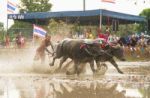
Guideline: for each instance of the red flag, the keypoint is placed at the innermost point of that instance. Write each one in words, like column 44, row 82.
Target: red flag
column 109, row 1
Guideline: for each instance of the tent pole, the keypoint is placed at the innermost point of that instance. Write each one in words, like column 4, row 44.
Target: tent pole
column 7, row 24
column 83, row 5
column 100, row 20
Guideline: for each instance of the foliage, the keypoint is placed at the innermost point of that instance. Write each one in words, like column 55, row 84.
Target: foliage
column 1, row 25
column 64, row 28
column 60, row 27
column 2, row 32
column 145, row 13
column 20, row 26
column 127, row 29
column 35, row 6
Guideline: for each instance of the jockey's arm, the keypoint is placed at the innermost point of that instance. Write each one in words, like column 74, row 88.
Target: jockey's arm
column 48, row 51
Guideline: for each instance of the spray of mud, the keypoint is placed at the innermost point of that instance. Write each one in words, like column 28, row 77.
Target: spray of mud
column 21, row 60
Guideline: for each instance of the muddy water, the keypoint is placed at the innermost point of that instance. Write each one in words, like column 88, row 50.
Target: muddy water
column 21, row 77
column 45, row 86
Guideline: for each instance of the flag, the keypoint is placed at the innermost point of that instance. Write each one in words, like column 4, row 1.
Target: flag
column 109, row 1
column 11, row 7
column 39, row 31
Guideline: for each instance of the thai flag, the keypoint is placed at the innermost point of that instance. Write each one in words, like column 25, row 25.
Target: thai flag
column 39, row 31
column 11, row 7
column 109, row 1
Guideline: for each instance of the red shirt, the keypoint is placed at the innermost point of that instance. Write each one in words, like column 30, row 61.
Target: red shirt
column 100, row 35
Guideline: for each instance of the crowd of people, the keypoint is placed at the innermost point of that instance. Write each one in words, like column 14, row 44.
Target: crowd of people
column 137, row 45
column 19, row 41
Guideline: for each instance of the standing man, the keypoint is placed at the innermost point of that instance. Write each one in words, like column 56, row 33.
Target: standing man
column 7, row 41
column 107, row 33
column 18, row 40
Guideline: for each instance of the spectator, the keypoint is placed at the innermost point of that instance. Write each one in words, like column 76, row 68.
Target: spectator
column 89, row 34
column 107, row 33
column 18, row 40
column 142, row 43
column 100, row 34
column 22, row 40
column 112, row 40
column 133, row 42
column 7, row 40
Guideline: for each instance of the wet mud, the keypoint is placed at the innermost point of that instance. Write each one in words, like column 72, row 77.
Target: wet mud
column 21, row 77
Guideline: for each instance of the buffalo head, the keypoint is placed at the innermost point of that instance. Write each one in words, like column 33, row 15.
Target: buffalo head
column 118, row 52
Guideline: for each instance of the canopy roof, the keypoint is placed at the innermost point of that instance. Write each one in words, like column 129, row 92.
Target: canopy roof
column 83, row 16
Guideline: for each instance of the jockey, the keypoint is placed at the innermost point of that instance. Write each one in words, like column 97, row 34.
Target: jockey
column 40, row 51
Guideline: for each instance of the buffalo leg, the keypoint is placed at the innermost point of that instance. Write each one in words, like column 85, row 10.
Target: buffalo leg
column 62, row 61
column 68, row 64
column 100, row 64
column 52, row 64
column 77, row 69
column 92, row 66
column 116, row 66
column 70, row 72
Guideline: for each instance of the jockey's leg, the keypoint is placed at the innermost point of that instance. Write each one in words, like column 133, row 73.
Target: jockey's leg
column 42, row 58
column 37, row 56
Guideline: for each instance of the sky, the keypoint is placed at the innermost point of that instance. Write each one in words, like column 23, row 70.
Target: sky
column 124, row 6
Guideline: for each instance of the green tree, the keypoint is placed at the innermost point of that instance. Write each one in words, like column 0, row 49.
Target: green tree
column 1, row 25
column 35, row 6
column 145, row 13
column 59, row 27
column 20, row 26
column 1, row 31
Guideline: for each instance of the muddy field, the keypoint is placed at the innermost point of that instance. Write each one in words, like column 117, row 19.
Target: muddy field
column 21, row 77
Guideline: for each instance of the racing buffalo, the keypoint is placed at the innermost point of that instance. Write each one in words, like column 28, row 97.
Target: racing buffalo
column 81, row 52
column 78, row 50
column 109, row 53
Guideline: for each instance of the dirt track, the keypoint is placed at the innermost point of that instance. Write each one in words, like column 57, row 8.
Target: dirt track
column 20, row 77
